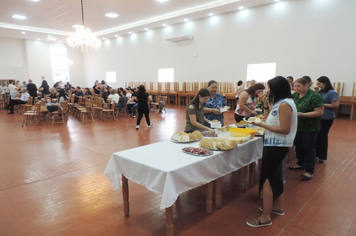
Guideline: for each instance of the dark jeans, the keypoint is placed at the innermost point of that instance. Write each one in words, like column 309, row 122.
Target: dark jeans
column 238, row 118
column 322, row 139
column 52, row 108
column 140, row 115
column 13, row 103
column 305, row 149
column 132, row 108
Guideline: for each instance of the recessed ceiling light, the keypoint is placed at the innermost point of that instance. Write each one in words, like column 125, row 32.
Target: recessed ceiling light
column 161, row 0
column 164, row 25
column 104, row 38
column 34, row 0
column 146, row 29
column 276, row 0
column 50, row 38
column 39, row 39
column 241, row 7
column 211, row 14
column 185, row 20
column 116, row 36
column 23, row 32
column 130, row 32
column 111, row 15
column 77, row 26
column 19, row 17
column 60, row 41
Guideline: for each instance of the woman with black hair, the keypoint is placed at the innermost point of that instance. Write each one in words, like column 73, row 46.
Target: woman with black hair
column 331, row 102
column 44, row 88
column 195, row 112
column 247, row 102
column 62, row 97
column 281, row 127
column 142, row 107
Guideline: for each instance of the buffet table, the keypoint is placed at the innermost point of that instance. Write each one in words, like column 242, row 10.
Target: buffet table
column 163, row 168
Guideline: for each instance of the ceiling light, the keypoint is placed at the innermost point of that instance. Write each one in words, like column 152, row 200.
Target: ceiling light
column 83, row 40
column 19, row 17
column 185, row 20
column 161, row 0
column 146, row 29
column 104, row 38
column 23, row 32
column 276, row 0
column 77, row 26
column 34, row 0
column 130, row 32
column 39, row 39
column 241, row 7
column 116, row 36
column 211, row 14
column 164, row 25
column 111, row 15
column 51, row 38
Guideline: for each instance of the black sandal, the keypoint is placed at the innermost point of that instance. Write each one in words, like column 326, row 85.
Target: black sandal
column 296, row 167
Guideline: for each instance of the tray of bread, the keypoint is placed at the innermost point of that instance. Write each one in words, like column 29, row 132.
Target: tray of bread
column 183, row 137
column 218, row 144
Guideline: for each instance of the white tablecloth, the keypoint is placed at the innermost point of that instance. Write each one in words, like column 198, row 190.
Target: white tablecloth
column 163, row 167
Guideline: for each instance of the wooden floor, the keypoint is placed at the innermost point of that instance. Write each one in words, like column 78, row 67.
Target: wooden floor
column 52, row 183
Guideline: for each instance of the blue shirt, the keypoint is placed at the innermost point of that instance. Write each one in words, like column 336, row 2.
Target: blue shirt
column 216, row 103
column 328, row 98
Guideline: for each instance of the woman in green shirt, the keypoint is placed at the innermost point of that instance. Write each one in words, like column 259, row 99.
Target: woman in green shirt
column 195, row 112
column 310, row 107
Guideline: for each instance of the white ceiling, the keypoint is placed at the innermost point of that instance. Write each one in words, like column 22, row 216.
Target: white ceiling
column 56, row 17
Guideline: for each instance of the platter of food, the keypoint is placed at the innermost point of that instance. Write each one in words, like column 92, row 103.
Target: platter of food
column 224, row 109
column 218, row 144
column 209, row 134
column 253, row 119
column 183, row 137
column 202, row 152
column 215, row 124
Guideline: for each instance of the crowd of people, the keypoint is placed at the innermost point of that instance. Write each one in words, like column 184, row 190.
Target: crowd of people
column 297, row 116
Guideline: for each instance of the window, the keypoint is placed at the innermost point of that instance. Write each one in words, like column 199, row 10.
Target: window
column 60, row 65
column 261, row 72
column 111, row 77
column 166, row 75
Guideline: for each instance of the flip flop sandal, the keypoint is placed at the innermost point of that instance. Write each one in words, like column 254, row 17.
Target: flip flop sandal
column 306, row 177
column 257, row 223
column 296, row 167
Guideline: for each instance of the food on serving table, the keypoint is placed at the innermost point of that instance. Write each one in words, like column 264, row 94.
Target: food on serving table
column 238, row 138
column 217, row 144
column 215, row 124
column 240, row 125
column 197, row 151
column 209, row 134
column 260, row 131
column 236, row 131
column 181, row 136
column 254, row 119
column 215, row 121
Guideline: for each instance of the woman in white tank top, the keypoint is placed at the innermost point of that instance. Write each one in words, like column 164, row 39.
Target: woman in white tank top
column 281, row 127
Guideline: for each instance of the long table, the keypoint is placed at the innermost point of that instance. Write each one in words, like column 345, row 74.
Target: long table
column 164, row 169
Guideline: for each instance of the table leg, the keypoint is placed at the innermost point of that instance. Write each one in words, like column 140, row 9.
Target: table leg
column 176, row 99
column 218, row 193
column 244, row 178
column 209, row 197
column 252, row 168
column 352, row 112
column 125, row 195
column 169, row 221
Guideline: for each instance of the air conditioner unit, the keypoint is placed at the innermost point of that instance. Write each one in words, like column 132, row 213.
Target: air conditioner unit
column 180, row 38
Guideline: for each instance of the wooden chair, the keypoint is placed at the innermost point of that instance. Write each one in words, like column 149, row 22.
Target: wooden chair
column 2, row 101
column 107, row 111
column 87, row 112
column 61, row 112
column 155, row 104
column 28, row 105
column 122, row 111
column 34, row 113
column 98, row 107
column 7, row 99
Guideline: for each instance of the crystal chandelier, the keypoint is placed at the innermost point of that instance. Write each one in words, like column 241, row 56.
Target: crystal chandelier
column 83, row 40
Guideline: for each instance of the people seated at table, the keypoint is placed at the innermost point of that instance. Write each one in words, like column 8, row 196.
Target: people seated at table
column 77, row 94
column 44, row 89
column 195, row 112
column 247, row 102
column 281, row 126
column 213, row 105
column 331, row 103
column 122, row 100
column 310, row 107
column 22, row 100
column 53, row 106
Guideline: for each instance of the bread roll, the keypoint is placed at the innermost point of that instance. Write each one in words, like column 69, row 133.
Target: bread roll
column 217, row 144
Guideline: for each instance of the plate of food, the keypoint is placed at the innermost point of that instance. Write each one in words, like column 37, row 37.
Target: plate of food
column 209, row 134
column 215, row 124
column 219, row 144
column 195, row 151
column 253, row 119
column 224, row 109
column 183, row 137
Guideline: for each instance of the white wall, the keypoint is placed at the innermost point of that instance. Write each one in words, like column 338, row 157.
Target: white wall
column 31, row 59
column 305, row 37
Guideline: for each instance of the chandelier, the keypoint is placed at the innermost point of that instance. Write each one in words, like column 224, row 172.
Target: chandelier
column 83, row 40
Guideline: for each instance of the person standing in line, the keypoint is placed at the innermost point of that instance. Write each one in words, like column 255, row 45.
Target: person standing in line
column 32, row 89
column 281, row 127
column 44, row 88
column 13, row 89
column 142, row 107
column 331, row 102
column 310, row 106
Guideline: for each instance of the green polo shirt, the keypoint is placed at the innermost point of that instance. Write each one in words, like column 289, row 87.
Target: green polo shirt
column 306, row 104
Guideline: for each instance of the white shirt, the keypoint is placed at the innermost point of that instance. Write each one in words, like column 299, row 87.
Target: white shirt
column 12, row 88
column 114, row 98
column 25, row 96
column 281, row 140
column 128, row 95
